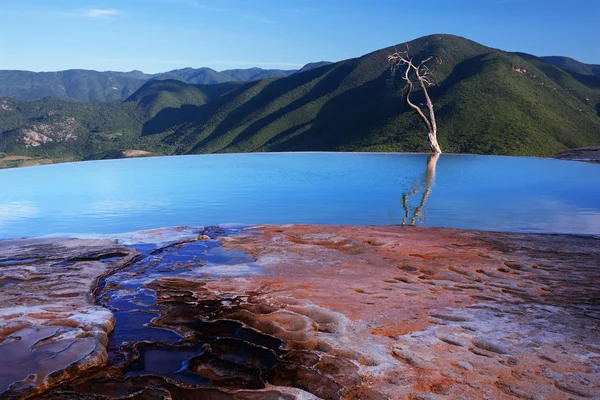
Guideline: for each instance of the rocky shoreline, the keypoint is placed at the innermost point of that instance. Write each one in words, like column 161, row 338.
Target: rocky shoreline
column 306, row 311
column 589, row 154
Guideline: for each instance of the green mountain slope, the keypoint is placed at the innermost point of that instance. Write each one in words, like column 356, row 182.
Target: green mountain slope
column 571, row 65
column 254, row 74
column 94, row 86
column 156, row 96
column 485, row 105
column 488, row 102
column 313, row 65
column 76, row 84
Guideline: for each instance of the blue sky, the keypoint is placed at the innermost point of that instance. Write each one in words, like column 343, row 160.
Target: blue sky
column 160, row 35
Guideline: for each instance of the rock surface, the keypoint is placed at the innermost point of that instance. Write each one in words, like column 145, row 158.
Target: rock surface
column 427, row 313
column 23, row 161
column 591, row 154
column 136, row 153
column 50, row 329
column 320, row 312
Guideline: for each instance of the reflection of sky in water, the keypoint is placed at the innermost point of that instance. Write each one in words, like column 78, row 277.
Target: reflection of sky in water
column 492, row 193
column 12, row 211
column 115, row 208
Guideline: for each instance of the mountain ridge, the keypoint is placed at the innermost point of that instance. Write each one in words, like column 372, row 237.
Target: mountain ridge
column 487, row 102
column 99, row 86
column 572, row 65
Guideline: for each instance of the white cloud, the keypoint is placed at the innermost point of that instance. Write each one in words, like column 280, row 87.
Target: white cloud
column 98, row 13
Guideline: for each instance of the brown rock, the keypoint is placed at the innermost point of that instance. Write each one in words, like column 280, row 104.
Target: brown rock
column 455, row 314
column 402, row 313
column 50, row 330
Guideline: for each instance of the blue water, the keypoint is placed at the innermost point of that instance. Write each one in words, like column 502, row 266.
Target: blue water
column 466, row 191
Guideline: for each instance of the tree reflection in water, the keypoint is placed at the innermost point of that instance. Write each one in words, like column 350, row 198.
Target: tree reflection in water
column 425, row 184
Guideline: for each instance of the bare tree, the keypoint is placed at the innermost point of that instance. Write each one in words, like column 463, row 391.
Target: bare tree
column 401, row 61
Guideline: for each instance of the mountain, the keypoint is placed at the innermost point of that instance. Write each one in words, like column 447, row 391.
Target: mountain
column 75, row 84
column 254, row 74
column 156, row 96
column 313, row 65
column 488, row 102
column 208, row 76
column 568, row 64
column 94, row 86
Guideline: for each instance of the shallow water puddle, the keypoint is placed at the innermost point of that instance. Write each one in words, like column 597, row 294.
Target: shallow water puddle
column 18, row 261
column 169, row 361
column 173, row 337
column 238, row 353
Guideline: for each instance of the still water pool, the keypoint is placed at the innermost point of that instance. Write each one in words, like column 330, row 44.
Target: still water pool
column 463, row 191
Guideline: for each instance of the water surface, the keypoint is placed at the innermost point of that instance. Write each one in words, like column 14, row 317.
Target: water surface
column 464, row 191
column 129, row 293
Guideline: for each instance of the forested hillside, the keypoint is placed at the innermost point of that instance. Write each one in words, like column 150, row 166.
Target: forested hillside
column 487, row 101
column 94, row 86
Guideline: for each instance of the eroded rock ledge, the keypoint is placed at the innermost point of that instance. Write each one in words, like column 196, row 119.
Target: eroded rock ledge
column 340, row 312
column 431, row 313
column 50, row 329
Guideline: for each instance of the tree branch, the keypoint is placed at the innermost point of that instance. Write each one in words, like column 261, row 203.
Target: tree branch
column 425, row 78
column 425, row 61
column 410, row 89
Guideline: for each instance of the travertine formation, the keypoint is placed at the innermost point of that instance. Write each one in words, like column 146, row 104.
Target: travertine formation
column 432, row 313
column 50, row 329
column 315, row 312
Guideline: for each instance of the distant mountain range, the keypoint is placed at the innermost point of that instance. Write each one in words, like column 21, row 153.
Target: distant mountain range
column 568, row 64
column 95, row 86
column 488, row 102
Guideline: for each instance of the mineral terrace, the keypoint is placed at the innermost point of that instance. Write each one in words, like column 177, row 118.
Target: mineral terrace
column 306, row 312
column 50, row 330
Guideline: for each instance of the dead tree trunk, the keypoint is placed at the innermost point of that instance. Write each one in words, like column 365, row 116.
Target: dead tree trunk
column 423, row 77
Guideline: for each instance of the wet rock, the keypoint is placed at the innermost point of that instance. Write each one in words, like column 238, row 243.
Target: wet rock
column 364, row 393
column 487, row 305
column 226, row 373
column 154, row 388
column 304, row 358
column 336, row 366
column 244, row 353
column 50, row 330
column 35, row 358
column 441, row 313
column 343, row 371
column 288, row 374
